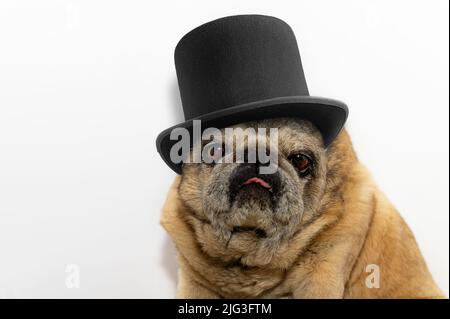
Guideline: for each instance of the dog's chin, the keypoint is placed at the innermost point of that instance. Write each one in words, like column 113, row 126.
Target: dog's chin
column 250, row 246
column 252, row 230
column 257, row 222
column 250, row 242
column 254, row 198
column 251, row 217
column 244, row 244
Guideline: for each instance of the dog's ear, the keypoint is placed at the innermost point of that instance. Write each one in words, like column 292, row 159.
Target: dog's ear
column 341, row 159
column 171, row 207
column 341, row 155
column 174, row 220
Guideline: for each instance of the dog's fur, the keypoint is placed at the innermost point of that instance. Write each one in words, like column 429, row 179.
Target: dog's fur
column 313, row 238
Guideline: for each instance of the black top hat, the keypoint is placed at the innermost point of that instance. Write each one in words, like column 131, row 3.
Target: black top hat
column 244, row 68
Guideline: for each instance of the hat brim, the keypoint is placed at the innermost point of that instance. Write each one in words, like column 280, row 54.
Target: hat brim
column 327, row 115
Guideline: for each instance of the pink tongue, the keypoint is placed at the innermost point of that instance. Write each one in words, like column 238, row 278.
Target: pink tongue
column 256, row 180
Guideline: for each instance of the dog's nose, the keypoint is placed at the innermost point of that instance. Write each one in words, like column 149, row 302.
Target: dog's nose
column 247, row 174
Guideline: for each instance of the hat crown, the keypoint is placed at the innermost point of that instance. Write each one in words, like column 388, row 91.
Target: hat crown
column 236, row 60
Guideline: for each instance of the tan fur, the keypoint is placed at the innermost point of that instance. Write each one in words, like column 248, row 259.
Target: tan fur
column 327, row 258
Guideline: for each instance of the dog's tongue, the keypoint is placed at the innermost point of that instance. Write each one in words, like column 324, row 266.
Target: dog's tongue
column 256, row 180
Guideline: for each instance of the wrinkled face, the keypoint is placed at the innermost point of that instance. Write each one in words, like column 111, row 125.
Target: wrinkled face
column 237, row 209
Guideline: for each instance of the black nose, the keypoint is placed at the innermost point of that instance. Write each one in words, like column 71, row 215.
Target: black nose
column 247, row 174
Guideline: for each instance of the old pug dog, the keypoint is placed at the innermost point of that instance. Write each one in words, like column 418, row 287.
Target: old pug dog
column 316, row 227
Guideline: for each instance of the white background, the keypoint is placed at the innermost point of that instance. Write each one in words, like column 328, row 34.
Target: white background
column 86, row 86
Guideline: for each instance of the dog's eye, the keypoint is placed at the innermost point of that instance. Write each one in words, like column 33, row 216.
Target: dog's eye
column 302, row 163
column 212, row 153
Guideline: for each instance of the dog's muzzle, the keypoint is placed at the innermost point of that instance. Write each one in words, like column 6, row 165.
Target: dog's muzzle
column 246, row 177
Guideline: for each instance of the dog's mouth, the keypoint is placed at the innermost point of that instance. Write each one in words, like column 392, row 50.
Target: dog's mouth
column 259, row 182
column 260, row 233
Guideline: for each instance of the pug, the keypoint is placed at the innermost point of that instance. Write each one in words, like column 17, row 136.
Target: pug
column 318, row 227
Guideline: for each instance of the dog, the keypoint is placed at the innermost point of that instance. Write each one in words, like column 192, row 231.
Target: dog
column 316, row 228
